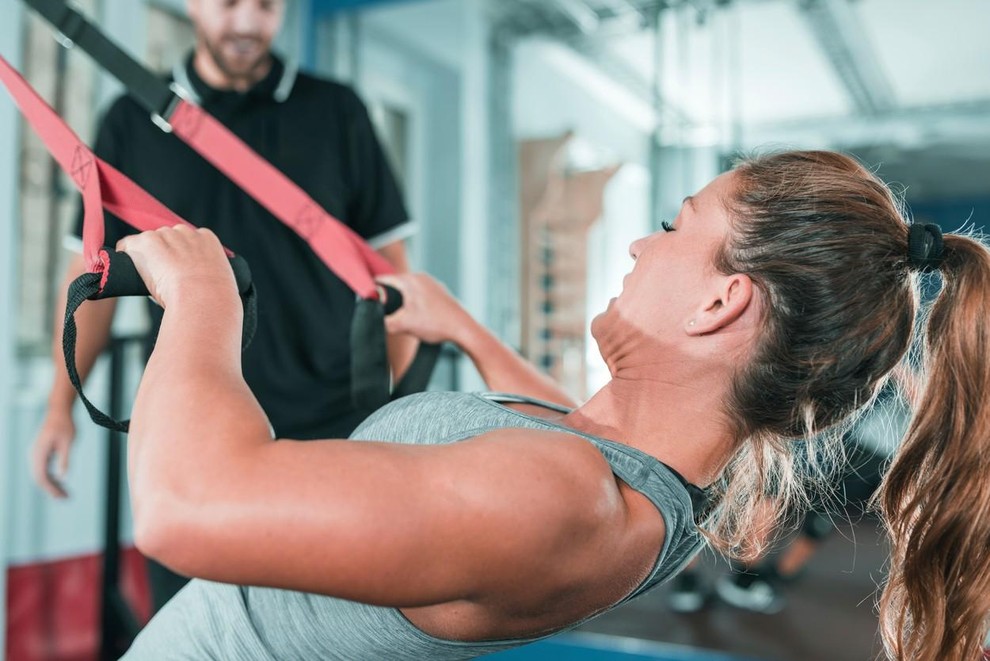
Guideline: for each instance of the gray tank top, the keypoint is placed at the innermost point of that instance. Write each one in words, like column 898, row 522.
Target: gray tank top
column 207, row 620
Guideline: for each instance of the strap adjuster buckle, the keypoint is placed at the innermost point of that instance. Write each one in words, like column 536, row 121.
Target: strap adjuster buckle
column 179, row 94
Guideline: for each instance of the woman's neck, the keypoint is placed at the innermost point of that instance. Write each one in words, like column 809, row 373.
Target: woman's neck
column 678, row 422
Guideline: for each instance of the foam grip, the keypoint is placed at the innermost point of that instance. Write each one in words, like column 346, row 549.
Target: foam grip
column 393, row 299
column 123, row 278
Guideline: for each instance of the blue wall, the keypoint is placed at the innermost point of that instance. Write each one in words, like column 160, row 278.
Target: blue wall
column 955, row 213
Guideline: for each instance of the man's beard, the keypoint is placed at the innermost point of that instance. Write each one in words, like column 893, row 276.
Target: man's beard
column 234, row 69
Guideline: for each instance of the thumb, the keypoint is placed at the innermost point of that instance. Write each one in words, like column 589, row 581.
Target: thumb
column 392, row 280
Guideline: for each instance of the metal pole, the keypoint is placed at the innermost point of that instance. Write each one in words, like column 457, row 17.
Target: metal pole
column 118, row 625
column 655, row 137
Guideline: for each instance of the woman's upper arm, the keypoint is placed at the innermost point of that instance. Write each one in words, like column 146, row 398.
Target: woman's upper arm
column 392, row 524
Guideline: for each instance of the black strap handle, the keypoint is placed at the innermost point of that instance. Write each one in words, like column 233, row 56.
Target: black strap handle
column 121, row 278
column 370, row 373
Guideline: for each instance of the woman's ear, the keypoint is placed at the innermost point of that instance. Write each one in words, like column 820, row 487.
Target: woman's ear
column 731, row 297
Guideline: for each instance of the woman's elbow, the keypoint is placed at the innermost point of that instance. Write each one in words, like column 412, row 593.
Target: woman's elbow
column 159, row 529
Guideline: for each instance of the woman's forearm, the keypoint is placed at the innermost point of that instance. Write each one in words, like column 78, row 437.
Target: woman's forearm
column 503, row 369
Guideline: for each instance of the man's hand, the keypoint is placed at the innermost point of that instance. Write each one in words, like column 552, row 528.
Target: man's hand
column 53, row 445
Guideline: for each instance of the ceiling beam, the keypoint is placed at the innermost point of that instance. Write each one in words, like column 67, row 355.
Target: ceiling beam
column 589, row 42
column 839, row 32
column 583, row 16
column 600, row 56
column 961, row 122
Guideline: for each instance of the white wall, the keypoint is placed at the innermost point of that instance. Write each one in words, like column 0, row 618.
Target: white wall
column 556, row 91
column 400, row 75
column 625, row 218
column 439, row 29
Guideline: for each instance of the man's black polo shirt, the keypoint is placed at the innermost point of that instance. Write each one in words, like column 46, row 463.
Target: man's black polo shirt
column 319, row 134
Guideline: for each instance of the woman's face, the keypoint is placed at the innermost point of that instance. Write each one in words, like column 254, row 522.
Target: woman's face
column 672, row 276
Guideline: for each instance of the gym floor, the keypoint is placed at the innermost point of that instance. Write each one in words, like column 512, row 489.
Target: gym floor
column 830, row 613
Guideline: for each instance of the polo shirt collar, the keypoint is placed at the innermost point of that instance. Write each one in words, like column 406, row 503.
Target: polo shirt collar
column 277, row 84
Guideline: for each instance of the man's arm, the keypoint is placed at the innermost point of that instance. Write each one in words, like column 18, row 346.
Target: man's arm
column 54, row 439
column 433, row 315
column 93, row 320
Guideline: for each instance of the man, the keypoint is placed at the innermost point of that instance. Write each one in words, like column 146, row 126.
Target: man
column 316, row 132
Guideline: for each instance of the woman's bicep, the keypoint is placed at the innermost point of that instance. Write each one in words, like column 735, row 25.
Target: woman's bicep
column 374, row 522
column 308, row 516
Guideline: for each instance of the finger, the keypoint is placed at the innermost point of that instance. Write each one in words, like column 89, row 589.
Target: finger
column 55, row 488
column 62, row 453
column 39, row 471
column 39, row 465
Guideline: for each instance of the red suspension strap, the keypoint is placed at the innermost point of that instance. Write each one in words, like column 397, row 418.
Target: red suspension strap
column 339, row 247
column 104, row 187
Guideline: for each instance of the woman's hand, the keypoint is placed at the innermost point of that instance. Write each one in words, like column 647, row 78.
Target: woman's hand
column 176, row 260
column 428, row 311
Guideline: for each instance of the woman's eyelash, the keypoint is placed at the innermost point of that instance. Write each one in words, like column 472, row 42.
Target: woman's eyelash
column 667, row 227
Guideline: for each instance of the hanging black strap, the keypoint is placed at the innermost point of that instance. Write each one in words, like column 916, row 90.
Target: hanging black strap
column 371, row 388
column 122, row 279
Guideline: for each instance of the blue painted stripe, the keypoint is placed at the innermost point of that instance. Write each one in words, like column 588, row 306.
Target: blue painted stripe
column 599, row 647
column 329, row 6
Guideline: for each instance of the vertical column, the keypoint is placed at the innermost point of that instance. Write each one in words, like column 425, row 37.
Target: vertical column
column 336, row 52
column 476, row 277
column 655, row 150
column 504, row 243
column 11, row 33
column 297, row 39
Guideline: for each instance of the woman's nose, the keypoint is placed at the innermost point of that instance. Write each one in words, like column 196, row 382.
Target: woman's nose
column 636, row 247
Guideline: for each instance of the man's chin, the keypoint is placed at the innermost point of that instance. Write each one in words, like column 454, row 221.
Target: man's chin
column 240, row 67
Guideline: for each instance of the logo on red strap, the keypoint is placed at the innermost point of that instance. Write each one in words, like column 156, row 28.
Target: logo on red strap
column 308, row 220
column 82, row 165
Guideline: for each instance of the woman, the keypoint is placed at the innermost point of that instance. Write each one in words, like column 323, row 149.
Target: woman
column 772, row 309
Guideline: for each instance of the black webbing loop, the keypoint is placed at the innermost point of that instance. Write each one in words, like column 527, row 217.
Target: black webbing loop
column 122, row 279
column 370, row 372
column 81, row 289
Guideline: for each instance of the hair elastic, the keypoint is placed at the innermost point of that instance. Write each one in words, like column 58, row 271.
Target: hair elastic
column 925, row 246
